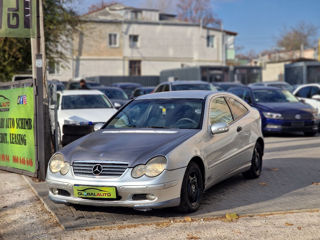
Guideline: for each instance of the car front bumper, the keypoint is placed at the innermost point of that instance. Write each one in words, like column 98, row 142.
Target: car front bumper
column 142, row 193
column 287, row 126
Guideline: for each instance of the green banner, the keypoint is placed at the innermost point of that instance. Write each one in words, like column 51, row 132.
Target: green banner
column 17, row 143
column 18, row 18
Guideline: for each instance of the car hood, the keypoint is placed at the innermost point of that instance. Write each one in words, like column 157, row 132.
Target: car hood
column 292, row 107
column 85, row 115
column 131, row 146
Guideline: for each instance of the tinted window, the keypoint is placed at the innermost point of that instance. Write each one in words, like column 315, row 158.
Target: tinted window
column 273, row 96
column 238, row 109
column 303, row 92
column 166, row 88
column 315, row 91
column 182, row 87
column 160, row 113
column 219, row 111
column 84, row 102
column 160, row 88
column 242, row 93
column 115, row 94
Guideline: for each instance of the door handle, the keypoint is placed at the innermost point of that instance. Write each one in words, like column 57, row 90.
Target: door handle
column 239, row 129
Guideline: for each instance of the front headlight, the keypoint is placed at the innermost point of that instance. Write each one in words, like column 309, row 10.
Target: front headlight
column 153, row 168
column 272, row 115
column 57, row 164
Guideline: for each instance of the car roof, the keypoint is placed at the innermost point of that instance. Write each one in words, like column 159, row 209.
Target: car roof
column 179, row 82
column 80, row 92
column 264, row 88
column 228, row 83
column 126, row 84
column 193, row 94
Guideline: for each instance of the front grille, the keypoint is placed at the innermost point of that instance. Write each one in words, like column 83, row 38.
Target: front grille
column 85, row 168
column 292, row 116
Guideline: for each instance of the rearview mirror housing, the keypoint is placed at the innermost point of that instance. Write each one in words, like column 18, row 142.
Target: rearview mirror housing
column 98, row 126
column 218, row 128
column 316, row 97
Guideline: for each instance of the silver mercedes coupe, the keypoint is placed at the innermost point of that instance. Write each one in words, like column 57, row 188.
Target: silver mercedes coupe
column 160, row 150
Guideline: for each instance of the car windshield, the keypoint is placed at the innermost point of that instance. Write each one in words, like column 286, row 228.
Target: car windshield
column 115, row 94
column 160, row 113
column 182, row 87
column 273, row 96
column 84, row 102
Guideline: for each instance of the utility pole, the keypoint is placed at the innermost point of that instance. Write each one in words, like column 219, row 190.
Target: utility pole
column 38, row 64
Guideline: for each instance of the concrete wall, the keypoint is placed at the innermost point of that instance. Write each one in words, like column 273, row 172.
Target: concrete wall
column 273, row 71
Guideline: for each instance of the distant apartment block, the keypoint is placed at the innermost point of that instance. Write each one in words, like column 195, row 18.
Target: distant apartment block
column 125, row 41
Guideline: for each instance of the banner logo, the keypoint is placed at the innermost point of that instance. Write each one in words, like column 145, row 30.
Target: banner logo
column 22, row 100
column 4, row 104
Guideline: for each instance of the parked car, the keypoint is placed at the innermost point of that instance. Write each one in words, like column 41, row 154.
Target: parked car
column 224, row 86
column 280, row 111
column 180, row 85
column 277, row 84
column 160, row 150
column 82, row 107
column 127, row 87
column 141, row 91
column 116, row 95
column 310, row 93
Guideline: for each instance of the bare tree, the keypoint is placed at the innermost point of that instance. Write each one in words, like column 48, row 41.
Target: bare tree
column 197, row 11
column 301, row 34
column 100, row 5
column 162, row 5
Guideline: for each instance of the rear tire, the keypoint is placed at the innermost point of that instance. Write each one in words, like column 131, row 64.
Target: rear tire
column 256, row 164
column 192, row 189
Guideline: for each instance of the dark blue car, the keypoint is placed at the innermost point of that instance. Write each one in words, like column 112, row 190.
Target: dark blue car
column 280, row 111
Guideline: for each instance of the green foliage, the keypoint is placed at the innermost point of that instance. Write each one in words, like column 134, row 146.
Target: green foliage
column 15, row 57
column 59, row 22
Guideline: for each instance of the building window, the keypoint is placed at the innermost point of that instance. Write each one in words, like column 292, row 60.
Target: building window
column 134, row 41
column 135, row 68
column 113, row 40
column 135, row 15
column 210, row 41
column 53, row 67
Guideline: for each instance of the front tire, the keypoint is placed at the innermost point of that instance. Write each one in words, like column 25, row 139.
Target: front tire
column 310, row 134
column 256, row 164
column 192, row 189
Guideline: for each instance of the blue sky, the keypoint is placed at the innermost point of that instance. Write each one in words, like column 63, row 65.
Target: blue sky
column 257, row 22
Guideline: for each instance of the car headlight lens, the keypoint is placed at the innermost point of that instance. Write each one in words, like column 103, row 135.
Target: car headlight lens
column 152, row 169
column 272, row 115
column 57, row 164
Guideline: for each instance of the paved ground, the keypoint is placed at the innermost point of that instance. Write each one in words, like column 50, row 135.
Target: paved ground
column 291, row 172
column 289, row 184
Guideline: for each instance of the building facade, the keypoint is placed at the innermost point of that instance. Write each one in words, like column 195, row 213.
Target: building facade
column 125, row 41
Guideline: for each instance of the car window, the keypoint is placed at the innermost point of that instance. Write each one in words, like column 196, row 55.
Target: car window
column 166, row 88
column 242, row 93
column 314, row 91
column 219, row 111
column 159, row 89
column 58, row 100
column 84, row 102
column 304, row 92
column 273, row 96
column 160, row 113
column 116, row 94
column 199, row 86
column 238, row 110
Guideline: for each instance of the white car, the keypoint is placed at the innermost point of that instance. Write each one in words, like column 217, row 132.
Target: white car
column 82, row 107
column 309, row 93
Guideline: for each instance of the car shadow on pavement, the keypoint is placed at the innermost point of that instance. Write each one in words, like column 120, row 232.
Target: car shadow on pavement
column 285, row 184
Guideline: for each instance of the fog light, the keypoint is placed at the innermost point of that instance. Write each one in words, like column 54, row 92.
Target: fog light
column 55, row 191
column 272, row 126
column 151, row 197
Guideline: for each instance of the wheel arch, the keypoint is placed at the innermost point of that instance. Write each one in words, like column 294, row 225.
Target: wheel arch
column 198, row 160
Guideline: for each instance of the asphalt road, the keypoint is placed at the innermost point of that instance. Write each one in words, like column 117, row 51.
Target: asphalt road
column 290, row 181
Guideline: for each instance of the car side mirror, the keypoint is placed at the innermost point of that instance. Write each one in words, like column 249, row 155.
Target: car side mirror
column 98, row 126
column 316, row 97
column 218, row 128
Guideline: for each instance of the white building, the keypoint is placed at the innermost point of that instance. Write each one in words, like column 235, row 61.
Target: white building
column 126, row 41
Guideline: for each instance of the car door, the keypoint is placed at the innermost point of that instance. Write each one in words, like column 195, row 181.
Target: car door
column 241, row 120
column 220, row 148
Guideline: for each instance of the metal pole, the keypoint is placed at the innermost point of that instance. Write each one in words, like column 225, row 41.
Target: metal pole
column 39, row 102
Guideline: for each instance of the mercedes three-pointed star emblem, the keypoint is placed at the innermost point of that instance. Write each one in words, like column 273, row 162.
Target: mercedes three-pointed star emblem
column 97, row 169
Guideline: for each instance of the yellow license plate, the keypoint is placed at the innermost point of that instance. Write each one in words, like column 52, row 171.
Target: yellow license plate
column 94, row 192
